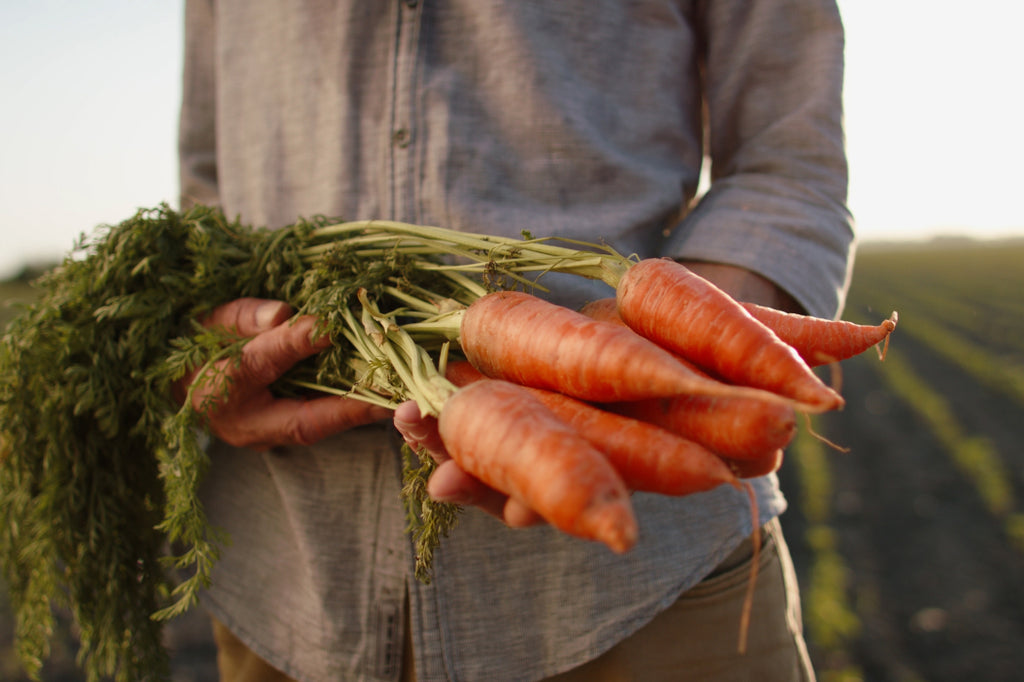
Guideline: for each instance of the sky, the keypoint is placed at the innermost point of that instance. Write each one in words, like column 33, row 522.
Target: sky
column 934, row 116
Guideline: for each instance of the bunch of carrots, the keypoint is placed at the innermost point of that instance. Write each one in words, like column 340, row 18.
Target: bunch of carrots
column 671, row 387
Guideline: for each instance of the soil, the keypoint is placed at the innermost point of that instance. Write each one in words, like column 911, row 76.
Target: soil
column 937, row 586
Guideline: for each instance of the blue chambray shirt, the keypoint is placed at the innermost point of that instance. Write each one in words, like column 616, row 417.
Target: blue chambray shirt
column 577, row 118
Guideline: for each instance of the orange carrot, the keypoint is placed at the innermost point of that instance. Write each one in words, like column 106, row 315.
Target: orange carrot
column 736, row 428
column 529, row 341
column 733, row 427
column 820, row 341
column 665, row 302
column 463, row 373
column 605, row 309
column 499, row 433
column 647, row 457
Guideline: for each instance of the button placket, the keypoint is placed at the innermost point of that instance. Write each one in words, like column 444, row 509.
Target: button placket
column 401, row 138
column 403, row 132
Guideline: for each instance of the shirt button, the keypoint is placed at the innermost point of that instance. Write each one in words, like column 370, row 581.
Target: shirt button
column 401, row 138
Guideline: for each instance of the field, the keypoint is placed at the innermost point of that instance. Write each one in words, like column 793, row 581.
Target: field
column 910, row 546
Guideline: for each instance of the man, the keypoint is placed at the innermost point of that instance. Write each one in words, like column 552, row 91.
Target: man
column 582, row 119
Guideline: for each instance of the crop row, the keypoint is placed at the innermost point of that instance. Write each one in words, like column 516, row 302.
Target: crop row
column 831, row 622
column 1001, row 372
column 996, row 329
column 941, row 324
column 988, row 274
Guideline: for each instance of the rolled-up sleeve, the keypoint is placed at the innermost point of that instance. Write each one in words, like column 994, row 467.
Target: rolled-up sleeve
column 777, row 199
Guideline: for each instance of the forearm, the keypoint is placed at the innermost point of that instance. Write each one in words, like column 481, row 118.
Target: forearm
column 744, row 285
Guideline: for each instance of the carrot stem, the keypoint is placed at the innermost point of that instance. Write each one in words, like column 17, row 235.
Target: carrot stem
column 425, row 384
column 482, row 251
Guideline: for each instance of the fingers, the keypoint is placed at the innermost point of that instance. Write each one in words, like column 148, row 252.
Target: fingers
column 273, row 352
column 418, row 431
column 251, row 417
column 449, row 483
column 266, row 421
column 263, row 361
column 246, row 317
column 518, row 515
column 236, row 397
column 249, row 316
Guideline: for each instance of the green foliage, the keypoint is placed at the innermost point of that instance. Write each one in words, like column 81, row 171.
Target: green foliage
column 85, row 399
column 829, row 615
column 1015, row 529
column 100, row 466
column 81, row 406
column 951, row 328
column 429, row 522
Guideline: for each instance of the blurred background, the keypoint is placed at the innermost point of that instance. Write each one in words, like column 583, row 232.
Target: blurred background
column 909, row 547
column 91, row 90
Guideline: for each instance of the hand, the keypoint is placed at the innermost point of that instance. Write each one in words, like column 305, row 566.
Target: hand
column 449, row 483
column 249, row 415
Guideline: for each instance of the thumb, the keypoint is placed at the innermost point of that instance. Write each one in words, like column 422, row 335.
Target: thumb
column 419, row 431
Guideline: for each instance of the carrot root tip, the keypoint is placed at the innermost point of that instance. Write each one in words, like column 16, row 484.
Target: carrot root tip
column 890, row 326
column 755, row 561
column 823, row 439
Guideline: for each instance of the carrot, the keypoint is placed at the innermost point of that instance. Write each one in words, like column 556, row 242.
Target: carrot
column 820, row 341
column 733, row 427
column 606, row 309
column 647, row 457
column 508, row 439
column 529, row 341
column 665, row 302
column 463, row 373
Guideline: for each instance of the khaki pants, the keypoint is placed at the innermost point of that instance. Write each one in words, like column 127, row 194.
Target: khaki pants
column 695, row 639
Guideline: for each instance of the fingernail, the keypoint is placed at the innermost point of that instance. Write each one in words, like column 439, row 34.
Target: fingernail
column 445, row 490
column 413, row 433
column 267, row 314
column 409, row 422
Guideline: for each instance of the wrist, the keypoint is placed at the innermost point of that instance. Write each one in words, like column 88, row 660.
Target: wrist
column 745, row 285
